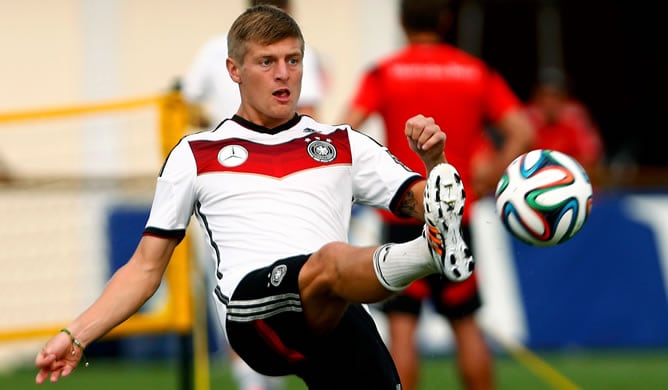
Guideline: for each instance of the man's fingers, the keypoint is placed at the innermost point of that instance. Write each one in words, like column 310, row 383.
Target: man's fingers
column 41, row 376
column 67, row 370
column 44, row 362
column 50, row 367
column 423, row 131
column 54, row 376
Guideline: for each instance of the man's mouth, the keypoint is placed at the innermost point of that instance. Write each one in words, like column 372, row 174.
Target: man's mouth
column 282, row 93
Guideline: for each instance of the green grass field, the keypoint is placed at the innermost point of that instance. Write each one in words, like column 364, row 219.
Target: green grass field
column 612, row 370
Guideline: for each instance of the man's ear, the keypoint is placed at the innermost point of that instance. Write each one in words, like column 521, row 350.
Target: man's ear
column 233, row 70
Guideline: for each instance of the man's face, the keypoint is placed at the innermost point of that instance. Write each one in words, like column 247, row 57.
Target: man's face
column 270, row 81
column 550, row 99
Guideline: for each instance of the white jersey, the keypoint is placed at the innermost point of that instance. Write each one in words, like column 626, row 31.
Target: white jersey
column 208, row 81
column 265, row 194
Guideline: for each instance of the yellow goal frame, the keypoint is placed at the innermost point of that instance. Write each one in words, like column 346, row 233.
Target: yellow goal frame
column 177, row 315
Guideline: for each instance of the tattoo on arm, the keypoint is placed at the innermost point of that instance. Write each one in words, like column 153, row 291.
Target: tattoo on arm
column 408, row 206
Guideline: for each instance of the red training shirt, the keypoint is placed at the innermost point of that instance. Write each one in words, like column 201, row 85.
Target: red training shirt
column 455, row 88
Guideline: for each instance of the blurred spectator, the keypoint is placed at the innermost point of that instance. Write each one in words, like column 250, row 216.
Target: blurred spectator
column 463, row 94
column 564, row 123
column 213, row 96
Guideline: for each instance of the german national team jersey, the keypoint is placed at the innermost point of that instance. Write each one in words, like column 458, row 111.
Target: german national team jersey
column 264, row 194
column 458, row 90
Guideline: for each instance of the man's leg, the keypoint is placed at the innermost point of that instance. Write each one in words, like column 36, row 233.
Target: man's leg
column 403, row 313
column 458, row 303
column 474, row 359
column 339, row 273
column 404, row 348
column 271, row 325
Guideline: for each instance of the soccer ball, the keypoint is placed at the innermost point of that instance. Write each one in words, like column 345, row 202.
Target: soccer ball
column 544, row 197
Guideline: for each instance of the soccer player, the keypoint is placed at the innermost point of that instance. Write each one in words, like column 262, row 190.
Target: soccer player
column 273, row 192
column 464, row 95
column 213, row 96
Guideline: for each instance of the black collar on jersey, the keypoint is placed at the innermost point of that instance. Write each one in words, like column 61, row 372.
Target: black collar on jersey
column 261, row 129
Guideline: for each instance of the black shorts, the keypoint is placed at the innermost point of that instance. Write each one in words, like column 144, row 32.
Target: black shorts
column 267, row 329
column 451, row 299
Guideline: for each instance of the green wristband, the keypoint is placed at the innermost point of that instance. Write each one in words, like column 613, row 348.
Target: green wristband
column 76, row 343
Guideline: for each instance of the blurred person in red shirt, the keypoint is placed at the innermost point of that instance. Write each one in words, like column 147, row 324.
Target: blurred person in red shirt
column 564, row 123
column 464, row 95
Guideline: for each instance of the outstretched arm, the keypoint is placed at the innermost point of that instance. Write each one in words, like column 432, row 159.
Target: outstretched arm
column 130, row 287
column 518, row 137
column 355, row 117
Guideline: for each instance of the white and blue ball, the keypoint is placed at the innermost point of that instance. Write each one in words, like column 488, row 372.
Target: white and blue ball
column 544, row 197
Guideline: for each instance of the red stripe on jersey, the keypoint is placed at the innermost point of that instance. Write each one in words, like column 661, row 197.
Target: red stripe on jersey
column 272, row 160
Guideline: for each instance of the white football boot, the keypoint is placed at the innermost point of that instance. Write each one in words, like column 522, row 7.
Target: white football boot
column 444, row 199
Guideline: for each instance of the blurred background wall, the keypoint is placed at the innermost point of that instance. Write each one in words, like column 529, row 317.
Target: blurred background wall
column 68, row 51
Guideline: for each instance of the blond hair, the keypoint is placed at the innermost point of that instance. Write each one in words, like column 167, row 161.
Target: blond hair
column 263, row 24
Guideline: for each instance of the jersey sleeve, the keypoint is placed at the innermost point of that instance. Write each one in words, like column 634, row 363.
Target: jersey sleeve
column 500, row 98
column 174, row 198
column 368, row 96
column 380, row 180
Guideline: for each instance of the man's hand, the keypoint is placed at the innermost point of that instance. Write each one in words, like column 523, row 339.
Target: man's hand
column 426, row 139
column 59, row 357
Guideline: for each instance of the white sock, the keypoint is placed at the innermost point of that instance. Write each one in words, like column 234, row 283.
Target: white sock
column 397, row 265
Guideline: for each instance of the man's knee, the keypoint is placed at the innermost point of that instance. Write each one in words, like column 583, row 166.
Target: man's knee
column 323, row 308
column 320, row 272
